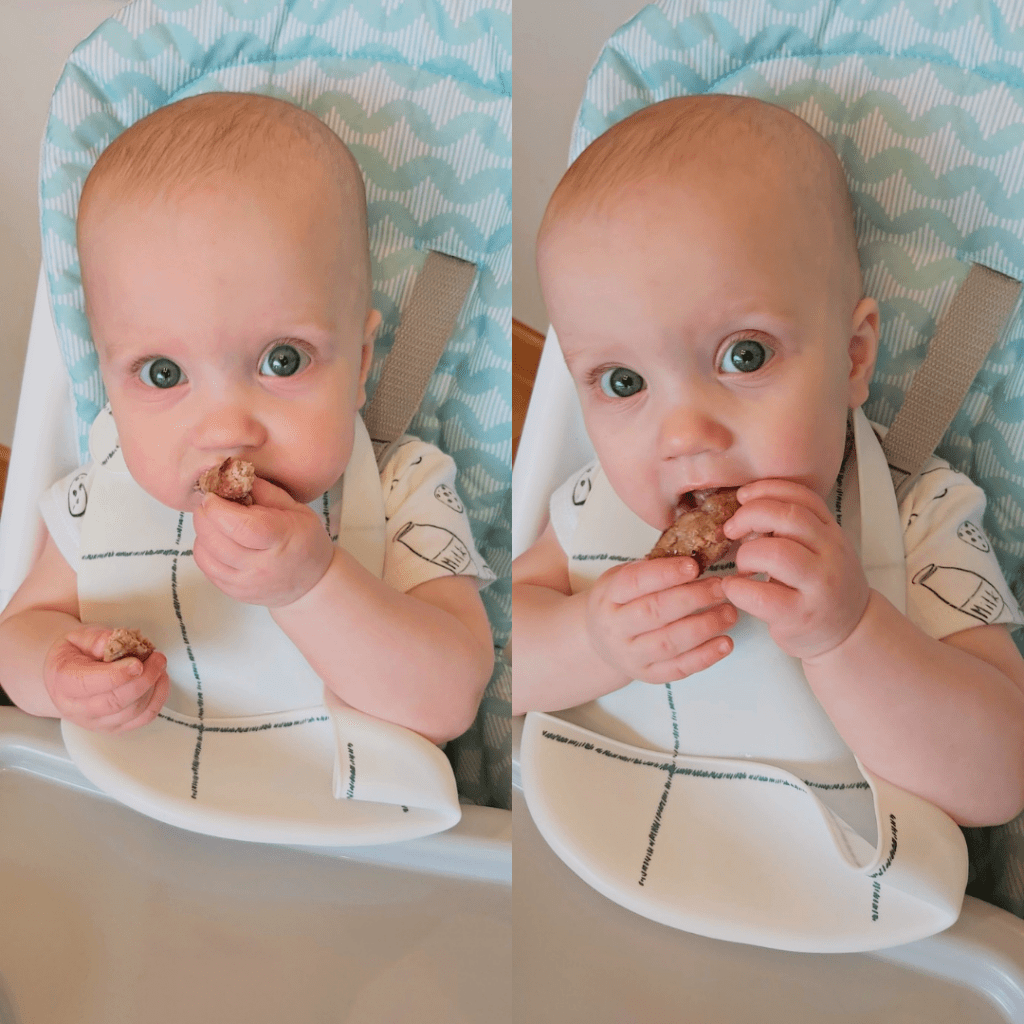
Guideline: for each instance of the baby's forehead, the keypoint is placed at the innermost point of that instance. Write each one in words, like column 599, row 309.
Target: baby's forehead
column 712, row 143
column 280, row 160
column 235, row 139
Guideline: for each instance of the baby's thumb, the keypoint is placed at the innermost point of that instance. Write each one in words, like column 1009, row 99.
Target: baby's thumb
column 90, row 638
column 271, row 496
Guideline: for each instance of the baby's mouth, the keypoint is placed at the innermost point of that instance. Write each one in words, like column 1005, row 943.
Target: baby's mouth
column 690, row 500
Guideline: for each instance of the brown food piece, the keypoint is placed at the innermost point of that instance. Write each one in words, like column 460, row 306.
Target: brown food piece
column 127, row 643
column 232, row 479
column 697, row 531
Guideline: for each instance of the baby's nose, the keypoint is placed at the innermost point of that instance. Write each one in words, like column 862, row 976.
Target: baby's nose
column 229, row 424
column 688, row 430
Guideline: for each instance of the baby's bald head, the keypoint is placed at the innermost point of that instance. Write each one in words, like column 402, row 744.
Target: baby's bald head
column 238, row 141
column 711, row 141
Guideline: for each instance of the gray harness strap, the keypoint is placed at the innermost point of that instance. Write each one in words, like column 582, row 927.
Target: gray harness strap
column 427, row 323
column 972, row 325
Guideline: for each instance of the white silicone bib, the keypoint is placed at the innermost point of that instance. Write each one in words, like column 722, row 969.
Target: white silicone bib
column 726, row 804
column 249, row 745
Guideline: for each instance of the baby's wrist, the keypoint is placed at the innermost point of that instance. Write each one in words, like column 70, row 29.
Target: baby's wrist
column 841, row 648
column 296, row 604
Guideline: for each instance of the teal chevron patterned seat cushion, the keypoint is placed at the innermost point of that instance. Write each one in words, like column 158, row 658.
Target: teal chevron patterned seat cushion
column 924, row 103
column 420, row 91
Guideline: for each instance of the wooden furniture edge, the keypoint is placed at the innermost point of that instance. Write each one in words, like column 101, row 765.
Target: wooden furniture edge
column 526, row 348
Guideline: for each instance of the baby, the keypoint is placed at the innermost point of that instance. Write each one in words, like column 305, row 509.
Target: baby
column 699, row 265
column 224, row 258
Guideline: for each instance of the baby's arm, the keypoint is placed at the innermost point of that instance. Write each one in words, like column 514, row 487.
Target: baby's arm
column 51, row 664
column 940, row 718
column 420, row 659
column 646, row 620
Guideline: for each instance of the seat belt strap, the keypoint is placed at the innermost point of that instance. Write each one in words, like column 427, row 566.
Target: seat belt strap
column 426, row 326
column 971, row 327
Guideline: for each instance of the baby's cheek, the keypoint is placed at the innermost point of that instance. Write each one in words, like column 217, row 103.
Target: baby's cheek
column 635, row 481
column 158, row 480
column 789, row 441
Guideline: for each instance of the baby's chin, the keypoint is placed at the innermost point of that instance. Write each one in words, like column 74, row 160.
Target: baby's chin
column 305, row 490
column 187, row 501
column 181, row 499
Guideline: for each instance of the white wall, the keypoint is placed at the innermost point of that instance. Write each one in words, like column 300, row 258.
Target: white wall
column 556, row 44
column 37, row 37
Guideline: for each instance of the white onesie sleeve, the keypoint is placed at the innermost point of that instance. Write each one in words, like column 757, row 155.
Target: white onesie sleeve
column 953, row 579
column 428, row 532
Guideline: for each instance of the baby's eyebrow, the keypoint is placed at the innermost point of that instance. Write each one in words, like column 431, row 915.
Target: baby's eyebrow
column 577, row 366
column 577, row 355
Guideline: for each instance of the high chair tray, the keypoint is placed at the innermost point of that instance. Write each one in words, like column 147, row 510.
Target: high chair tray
column 581, row 957
column 109, row 916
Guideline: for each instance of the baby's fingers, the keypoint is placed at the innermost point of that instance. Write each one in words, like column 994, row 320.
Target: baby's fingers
column 270, row 495
column 671, row 646
column 764, row 600
column 661, row 607
column 90, row 640
column 78, row 675
column 139, row 712
column 786, row 492
column 85, row 689
column 780, row 519
column 251, row 526
column 690, row 662
column 637, row 579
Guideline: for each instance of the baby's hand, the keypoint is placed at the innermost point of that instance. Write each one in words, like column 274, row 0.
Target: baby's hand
column 103, row 696
column 269, row 553
column 653, row 622
column 817, row 591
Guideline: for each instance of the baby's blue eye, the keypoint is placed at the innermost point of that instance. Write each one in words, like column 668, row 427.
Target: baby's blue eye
column 745, row 356
column 283, row 361
column 621, row 382
column 161, row 373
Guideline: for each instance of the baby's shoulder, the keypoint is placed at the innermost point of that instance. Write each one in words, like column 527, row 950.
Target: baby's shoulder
column 409, row 454
column 71, row 492
column 939, row 485
column 943, row 507
column 407, row 449
column 413, row 465
column 577, row 487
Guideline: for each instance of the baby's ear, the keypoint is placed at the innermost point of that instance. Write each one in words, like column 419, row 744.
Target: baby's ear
column 366, row 357
column 863, row 350
column 370, row 327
